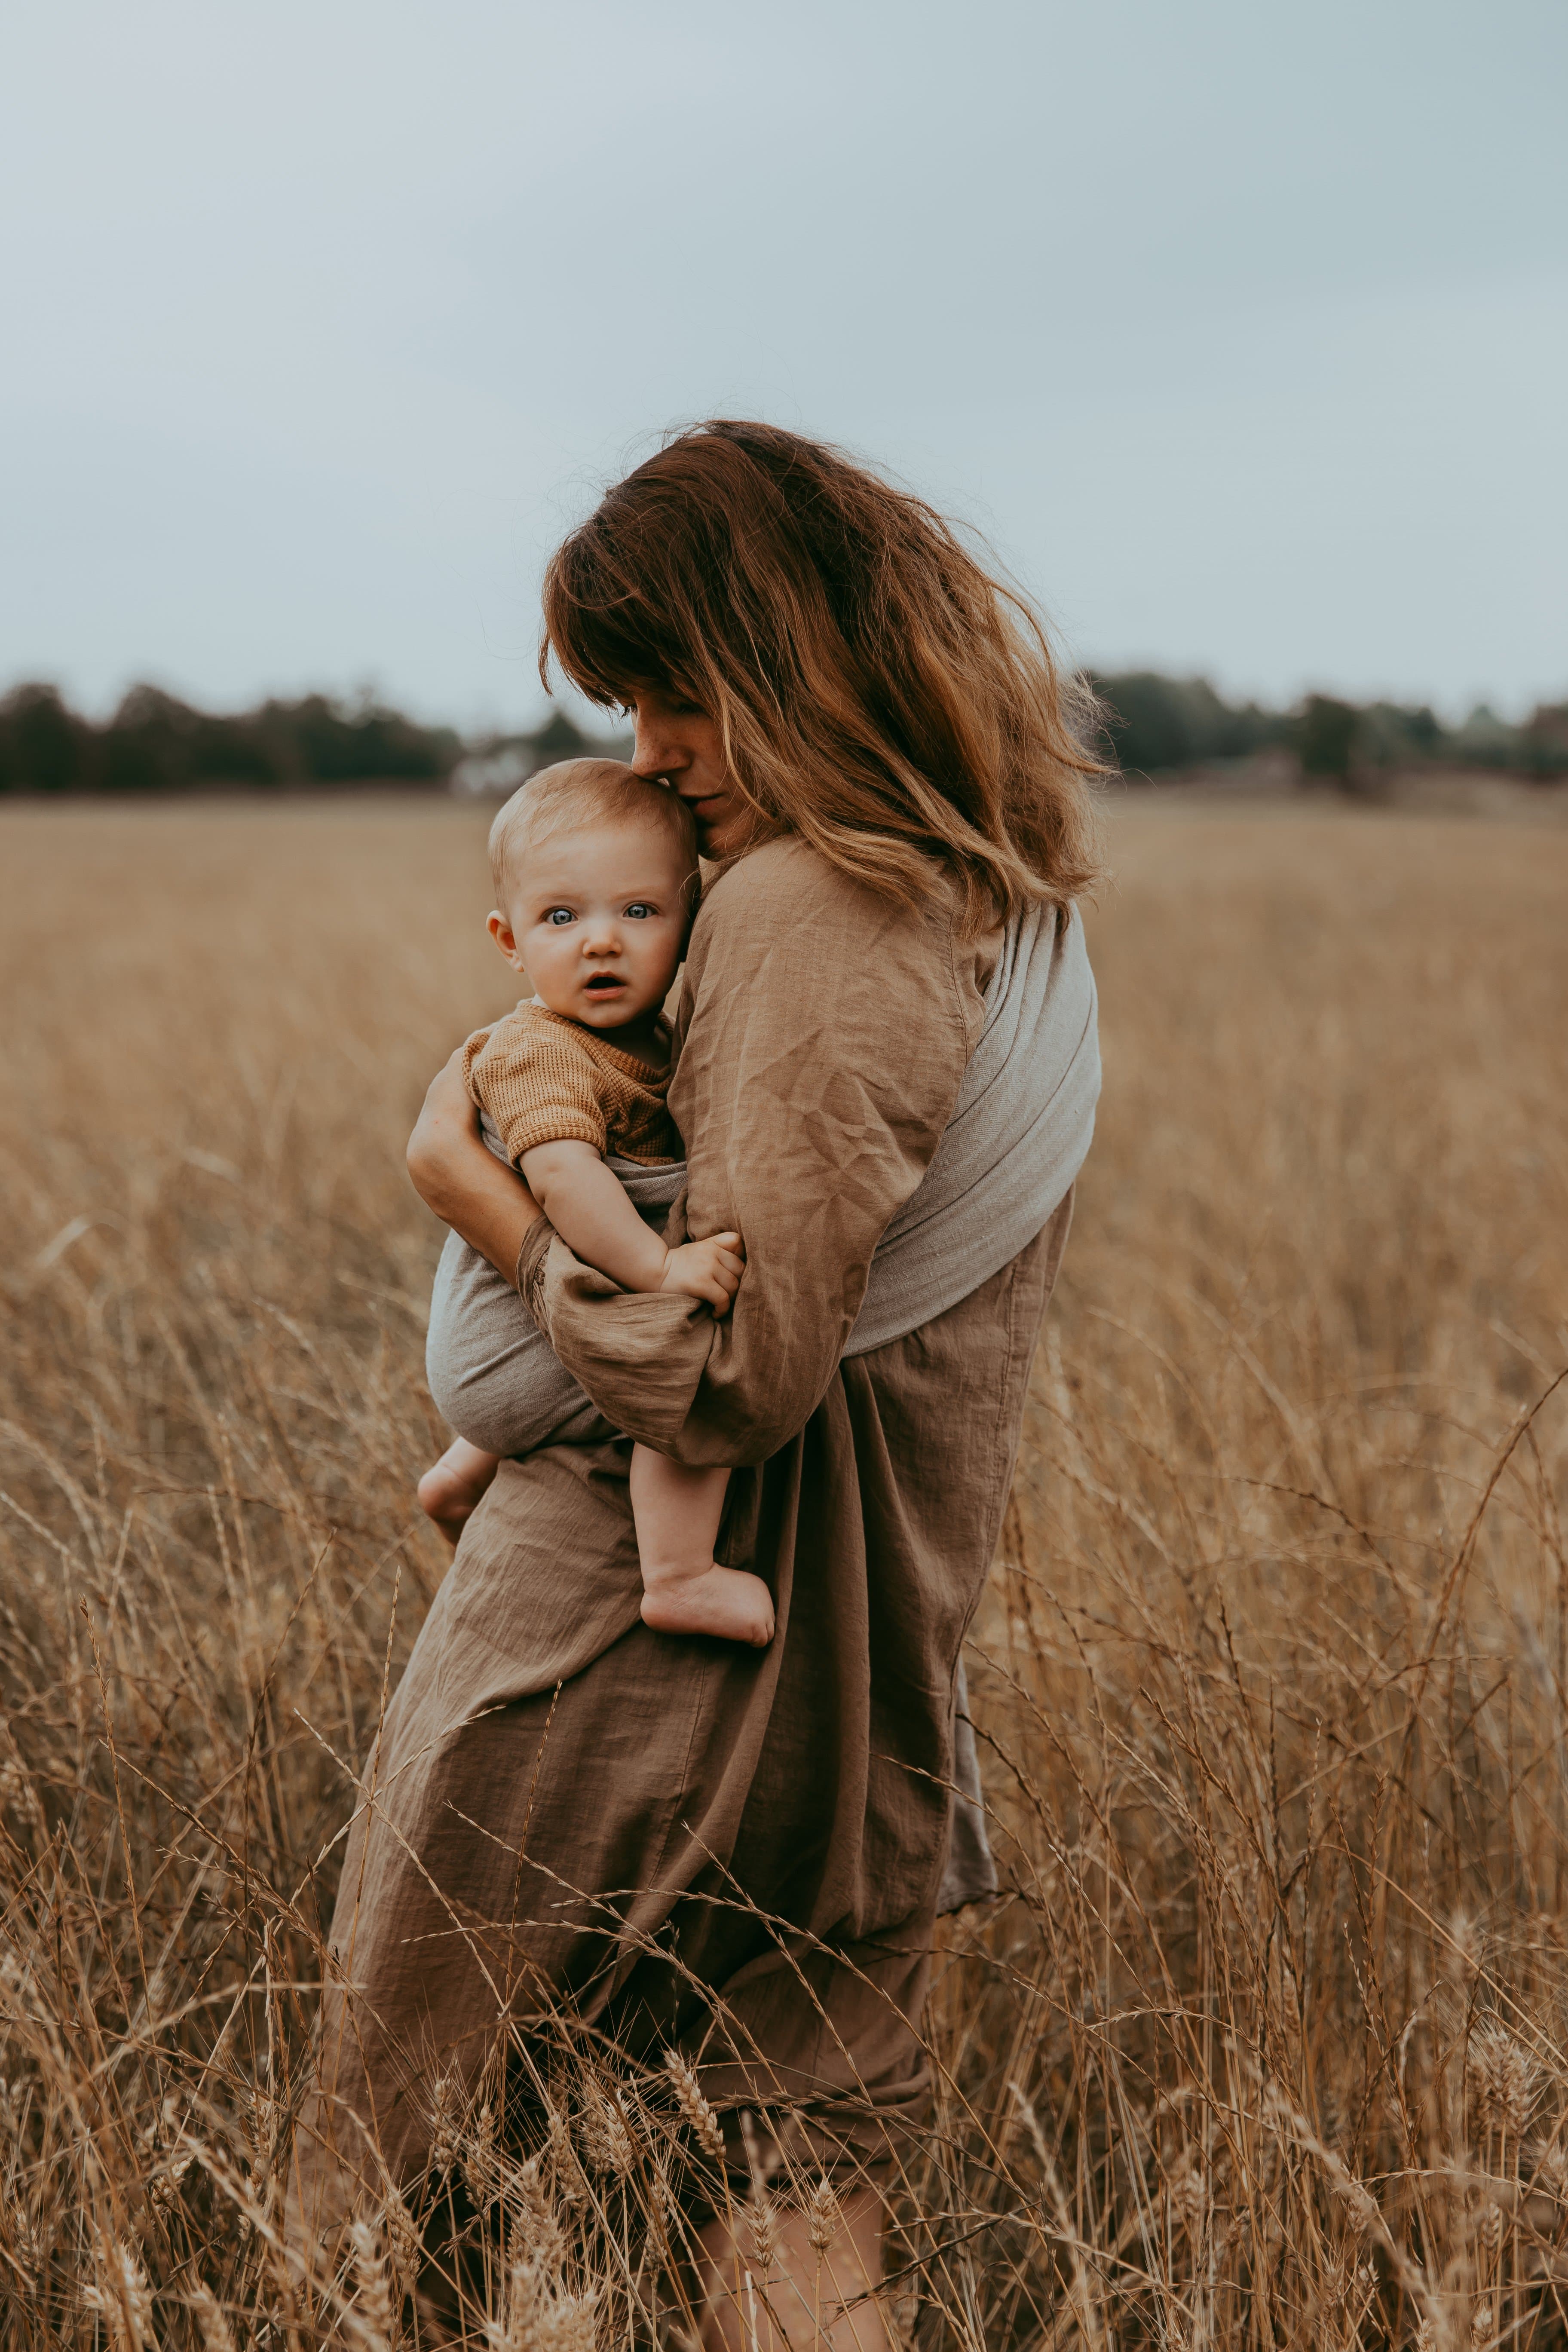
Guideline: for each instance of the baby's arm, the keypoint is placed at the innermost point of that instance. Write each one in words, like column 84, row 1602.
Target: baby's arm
column 584, row 1201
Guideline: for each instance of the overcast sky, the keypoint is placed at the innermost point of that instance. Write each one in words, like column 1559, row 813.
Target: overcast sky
column 1241, row 327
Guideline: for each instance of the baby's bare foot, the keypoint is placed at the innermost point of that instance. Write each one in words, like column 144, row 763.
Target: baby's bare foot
column 725, row 1601
column 451, row 1489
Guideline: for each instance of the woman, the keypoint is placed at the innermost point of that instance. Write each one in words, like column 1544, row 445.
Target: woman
column 887, row 1051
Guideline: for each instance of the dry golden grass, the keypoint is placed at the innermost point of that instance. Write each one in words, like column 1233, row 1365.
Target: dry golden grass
column 1268, row 2042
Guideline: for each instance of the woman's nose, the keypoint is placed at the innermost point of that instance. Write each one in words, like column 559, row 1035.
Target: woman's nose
column 654, row 752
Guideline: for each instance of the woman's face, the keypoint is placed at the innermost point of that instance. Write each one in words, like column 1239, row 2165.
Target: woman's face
column 681, row 743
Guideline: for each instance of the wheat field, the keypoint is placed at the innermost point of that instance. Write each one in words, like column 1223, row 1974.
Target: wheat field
column 1266, row 2041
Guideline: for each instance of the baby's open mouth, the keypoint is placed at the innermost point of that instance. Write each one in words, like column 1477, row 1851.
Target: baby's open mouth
column 603, row 980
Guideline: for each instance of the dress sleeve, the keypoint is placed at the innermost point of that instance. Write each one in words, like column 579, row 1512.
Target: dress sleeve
column 536, row 1084
column 826, row 1034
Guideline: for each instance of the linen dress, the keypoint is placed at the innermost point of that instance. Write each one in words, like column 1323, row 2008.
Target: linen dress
column 675, row 1842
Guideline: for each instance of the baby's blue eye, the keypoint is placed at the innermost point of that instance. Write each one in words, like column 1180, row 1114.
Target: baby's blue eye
column 560, row 915
column 641, row 909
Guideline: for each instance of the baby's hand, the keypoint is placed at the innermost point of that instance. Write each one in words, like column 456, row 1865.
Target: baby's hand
column 710, row 1270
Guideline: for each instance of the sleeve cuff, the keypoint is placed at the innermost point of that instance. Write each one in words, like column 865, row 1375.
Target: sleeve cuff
column 531, row 1256
column 554, row 1125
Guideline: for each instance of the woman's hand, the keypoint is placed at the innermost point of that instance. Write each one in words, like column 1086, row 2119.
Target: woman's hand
column 456, row 1174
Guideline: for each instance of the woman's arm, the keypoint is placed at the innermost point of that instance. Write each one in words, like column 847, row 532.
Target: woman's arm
column 456, row 1174
column 826, row 1036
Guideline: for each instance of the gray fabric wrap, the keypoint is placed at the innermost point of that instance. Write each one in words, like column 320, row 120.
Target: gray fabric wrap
column 1019, row 1133
column 1020, row 1130
column 494, row 1376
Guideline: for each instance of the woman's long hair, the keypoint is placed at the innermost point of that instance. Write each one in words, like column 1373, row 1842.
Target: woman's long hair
column 876, row 691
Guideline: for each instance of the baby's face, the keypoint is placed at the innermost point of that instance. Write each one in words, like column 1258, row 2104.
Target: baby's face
column 598, row 923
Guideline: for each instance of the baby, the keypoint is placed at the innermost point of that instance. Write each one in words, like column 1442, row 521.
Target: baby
column 596, row 882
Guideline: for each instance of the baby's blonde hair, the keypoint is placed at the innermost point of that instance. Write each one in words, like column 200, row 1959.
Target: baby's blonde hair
column 575, row 793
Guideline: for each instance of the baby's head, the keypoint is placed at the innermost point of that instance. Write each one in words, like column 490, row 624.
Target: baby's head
column 595, row 883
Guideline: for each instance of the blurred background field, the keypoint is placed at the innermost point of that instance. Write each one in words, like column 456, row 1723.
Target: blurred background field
column 1268, row 2041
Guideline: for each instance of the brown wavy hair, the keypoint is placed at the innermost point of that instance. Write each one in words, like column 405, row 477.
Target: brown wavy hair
column 876, row 691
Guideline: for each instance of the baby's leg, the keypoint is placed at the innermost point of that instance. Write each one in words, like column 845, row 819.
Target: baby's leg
column 450, row 1488
column 684, row 1589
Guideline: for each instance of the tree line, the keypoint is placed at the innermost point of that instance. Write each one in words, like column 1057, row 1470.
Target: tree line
column 1157, row 725
column 156, row 743
column 1154, row 725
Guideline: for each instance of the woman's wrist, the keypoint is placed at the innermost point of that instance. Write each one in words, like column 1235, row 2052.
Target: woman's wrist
column 529, row 1250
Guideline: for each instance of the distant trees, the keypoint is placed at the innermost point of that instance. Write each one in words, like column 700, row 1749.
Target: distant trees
column 1155, row 724
column 1546, row 739
column 156, row 743
column 43, row 747
column 1152, row 725
column 1325, row 737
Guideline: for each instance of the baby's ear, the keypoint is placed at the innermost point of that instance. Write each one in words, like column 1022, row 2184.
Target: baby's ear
column 501, row 930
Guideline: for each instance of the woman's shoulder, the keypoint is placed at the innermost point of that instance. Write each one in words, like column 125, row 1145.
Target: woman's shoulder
column 785, row 872
column 787, row 881
column 785, row 908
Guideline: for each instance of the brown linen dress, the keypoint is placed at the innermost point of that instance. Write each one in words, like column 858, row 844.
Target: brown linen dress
column 677, row 1842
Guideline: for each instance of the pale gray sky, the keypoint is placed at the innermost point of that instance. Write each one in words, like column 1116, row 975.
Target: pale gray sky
column 1241, row 327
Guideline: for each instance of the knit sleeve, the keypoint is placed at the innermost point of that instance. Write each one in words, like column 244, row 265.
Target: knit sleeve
column 536, row 1083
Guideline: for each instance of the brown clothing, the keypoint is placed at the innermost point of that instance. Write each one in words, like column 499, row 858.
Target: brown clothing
column 686, row 1843
column 545, row 1079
